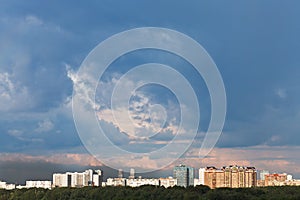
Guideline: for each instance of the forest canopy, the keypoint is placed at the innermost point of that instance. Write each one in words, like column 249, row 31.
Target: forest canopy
column 152, row 192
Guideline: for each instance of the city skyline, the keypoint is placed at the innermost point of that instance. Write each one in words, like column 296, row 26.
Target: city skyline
column 196, row 173
column 254, row 45
column 232, row 176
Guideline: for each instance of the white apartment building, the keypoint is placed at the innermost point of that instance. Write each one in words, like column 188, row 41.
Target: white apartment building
column 61, row 180
column 167, row 182
column 196, row 182
column 78, row 179
column 201, row 176
column 142, row 181
column 115, row 182
column 38, row 184
column 6, row 186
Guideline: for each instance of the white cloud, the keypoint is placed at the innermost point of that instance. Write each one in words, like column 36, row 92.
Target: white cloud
column 29, row 23
column 20, row 135
column 135, row 112
column 141, row 118
column 44, row 126
column 33, row 20
column 83, row 88
column 15, row 133
column 14, row 95
column 19, row 88
column 281, row 93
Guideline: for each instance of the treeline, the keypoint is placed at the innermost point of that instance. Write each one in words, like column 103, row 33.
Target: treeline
column 152, row 192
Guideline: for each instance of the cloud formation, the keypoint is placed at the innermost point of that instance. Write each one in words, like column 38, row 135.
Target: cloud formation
column 14, row 96
column 260, row 70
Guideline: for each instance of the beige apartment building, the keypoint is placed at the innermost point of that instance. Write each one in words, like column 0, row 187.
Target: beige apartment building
column 275, row 179
column 230, row 176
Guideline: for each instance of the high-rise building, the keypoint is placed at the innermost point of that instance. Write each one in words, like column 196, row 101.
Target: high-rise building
column 62, row 180
column 131, row 175
column 120, row 173
column 78, row 179
column 184, row 175
column 230, row 176
column 97, row 178
column 263, row 173
column 201, row 176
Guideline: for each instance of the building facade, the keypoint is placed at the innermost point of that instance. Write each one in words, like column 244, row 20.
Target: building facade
column 184, row 175
column 167, row 182
column 275, row 179
column 131, row 175
column 201, row 176
column 142, row 181
column 38, row 184
column 115, row 182
column 230, row 176
column 78, row 179
column 137, row 182
column 6, row 186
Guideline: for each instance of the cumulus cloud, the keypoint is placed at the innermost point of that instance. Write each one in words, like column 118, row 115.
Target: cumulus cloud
column 27, row 68
column 83, row 87
column 133, row 117
column 143, row 114
column 33, row 80
column 140, row 118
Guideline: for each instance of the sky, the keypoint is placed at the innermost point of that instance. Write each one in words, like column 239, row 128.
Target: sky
column 254, row 44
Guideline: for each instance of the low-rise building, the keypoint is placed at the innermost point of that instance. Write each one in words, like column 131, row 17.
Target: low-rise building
column 115, row 182
column 142, row 181
column 167, row 182
column 7, row 186
column 137, row 182
column 293, row 182
column 275, row 179
column 278, row 179
column 38, row 184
